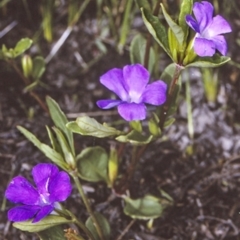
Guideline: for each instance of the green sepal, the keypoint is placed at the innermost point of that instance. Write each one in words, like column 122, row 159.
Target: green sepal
column 153, row 125
column 90, row 127
column 157, row 30
column 135, row 138
column 214, row 61
column 60, row 121
column 177, row 30
column 45, row 223
column 66, row 150
column 56, row 233
column 137, row 52
column 49, row 152
column 185, row 9
column 148, row 207
column 92, row 164
column 103, row 223
column 39, row 67
column 136, row 125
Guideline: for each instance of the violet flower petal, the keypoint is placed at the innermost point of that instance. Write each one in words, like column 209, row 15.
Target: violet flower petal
column 220, row 44
column 60, row 187
column 132, row 111
column 22, row 213
column 155, row 93
column 45, row 210
column 108, row 103
column 204, row 47
column 43, row 173
column 218, row 26
column 21, row 191
column 113, row 80
column 203, row 12
column 136, row 78
column 192, row 23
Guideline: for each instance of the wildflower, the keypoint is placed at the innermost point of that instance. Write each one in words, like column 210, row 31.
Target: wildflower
column 52, row 187
column 208, row 30
column 131, row 86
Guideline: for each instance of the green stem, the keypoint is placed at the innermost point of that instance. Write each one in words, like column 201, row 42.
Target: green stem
column 170, row 94
column 149, row 37
column 87, row 204
column 189, row 108
column 124, row 182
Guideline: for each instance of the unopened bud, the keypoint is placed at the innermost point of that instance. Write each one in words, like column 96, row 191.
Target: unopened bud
column 27, row 65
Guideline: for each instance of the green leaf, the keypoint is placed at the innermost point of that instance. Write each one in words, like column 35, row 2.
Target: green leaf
column 60, row 121
column 39, row 67
column 137, row 52
column 53, row 140
column 9, row 53
column 90, row 127
column 55, row 233
column 136, row 125
column 169, row 122
column 45, row 223
column 22, row 46
column 168, row 73
column 93, row 164
column 104, row 225
column 144, row 4
column 65, row 148
column 135, row 137
column 167, row 76
column 49, row 152
column 214, row 61
column 177, row 30
column 157, row 30
column 148, row 207
column 185, row 9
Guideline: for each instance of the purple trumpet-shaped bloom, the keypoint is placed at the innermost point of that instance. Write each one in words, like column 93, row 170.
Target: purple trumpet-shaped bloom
column 208, row 30
column 131, row 85
column 52, row 186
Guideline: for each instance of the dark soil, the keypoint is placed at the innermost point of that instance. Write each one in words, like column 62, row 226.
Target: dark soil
column 205, row 185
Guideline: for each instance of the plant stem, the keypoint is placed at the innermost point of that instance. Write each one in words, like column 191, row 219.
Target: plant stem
column 168, row 102
column 26, row 82
column 189, row 108
column 123, row 185
column 87, row 204
column 149, row 38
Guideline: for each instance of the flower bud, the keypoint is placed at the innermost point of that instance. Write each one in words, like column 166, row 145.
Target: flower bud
column 27, row 65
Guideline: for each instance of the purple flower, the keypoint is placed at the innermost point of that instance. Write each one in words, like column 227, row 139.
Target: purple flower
column 131, row 86
column 208, row 30
column 52, row 187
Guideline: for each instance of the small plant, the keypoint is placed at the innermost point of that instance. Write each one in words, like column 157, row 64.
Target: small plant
column 39, row 209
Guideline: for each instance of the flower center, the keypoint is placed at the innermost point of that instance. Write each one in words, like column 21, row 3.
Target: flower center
column 44, row 199
column 134, row 97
